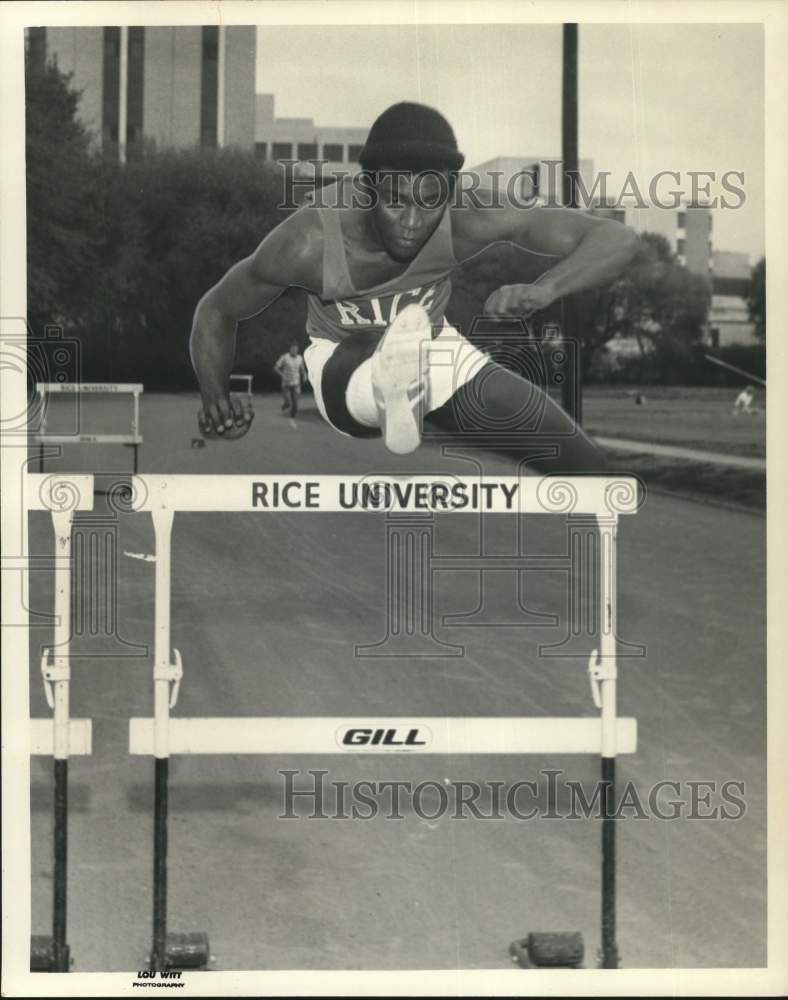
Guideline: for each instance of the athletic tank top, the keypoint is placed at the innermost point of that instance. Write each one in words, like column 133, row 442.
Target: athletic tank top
column 342, row 309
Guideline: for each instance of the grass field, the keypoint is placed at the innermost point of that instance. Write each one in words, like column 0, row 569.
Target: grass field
column 694, row 417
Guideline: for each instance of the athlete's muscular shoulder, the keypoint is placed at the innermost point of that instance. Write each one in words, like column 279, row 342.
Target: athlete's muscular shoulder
column 477, row 225
column 292, row 253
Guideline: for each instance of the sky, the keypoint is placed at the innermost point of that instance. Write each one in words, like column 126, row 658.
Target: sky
column 652, row 97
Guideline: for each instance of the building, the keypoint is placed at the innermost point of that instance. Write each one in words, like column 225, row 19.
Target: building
column 174, row 87
column 302, row 140
column 688, row 229
column 729, row 316
column 528, row 179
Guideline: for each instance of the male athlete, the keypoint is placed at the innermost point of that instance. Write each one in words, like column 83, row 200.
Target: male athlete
column 381, row 354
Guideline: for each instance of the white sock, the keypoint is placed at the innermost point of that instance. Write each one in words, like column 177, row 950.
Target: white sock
column 452, row 361
column 358, row 396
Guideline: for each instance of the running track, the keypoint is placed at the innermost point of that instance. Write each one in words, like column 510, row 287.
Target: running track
column 266, row 612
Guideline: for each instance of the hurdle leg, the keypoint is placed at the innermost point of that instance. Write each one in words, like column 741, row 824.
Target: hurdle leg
column 565, row 948
column 169, row 951
column 57, row 677
column 610, row 957
column 607, row 678
column 42, row 429
column 135, row 424
column 161, row 790
column 162, row 525
column 60, row 950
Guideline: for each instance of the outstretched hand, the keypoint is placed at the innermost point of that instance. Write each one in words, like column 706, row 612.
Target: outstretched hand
column 518, row 300
column 228, row 418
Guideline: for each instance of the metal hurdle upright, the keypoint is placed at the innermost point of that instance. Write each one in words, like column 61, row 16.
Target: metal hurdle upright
column 61, row 737
column 161, row 736
column 132, row 440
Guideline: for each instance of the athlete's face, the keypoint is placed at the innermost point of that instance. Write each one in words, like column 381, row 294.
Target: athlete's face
column 408, row 209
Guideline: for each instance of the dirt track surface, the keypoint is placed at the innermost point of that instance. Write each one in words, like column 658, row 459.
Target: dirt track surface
column 266, row 613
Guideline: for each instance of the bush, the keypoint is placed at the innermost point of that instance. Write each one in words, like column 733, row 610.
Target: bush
column 172, row 224
column 60, row 250
column 688, row 366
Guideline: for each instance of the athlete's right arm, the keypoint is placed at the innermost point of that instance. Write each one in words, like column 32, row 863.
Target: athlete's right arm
column 291, row 254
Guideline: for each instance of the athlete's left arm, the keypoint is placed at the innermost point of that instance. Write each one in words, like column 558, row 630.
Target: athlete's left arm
column 588, row 252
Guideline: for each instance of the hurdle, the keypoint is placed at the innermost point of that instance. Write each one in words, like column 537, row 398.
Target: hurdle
column 61, row 737
column 132, row 440
column 606, row 734
column 247, row 382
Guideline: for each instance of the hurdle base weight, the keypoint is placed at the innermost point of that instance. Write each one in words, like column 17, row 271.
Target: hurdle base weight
column 187, row 951
column 549, row 949
column 43, row 957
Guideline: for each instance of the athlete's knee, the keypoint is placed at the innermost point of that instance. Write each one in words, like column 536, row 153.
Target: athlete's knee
column 497, row 400
column 339, row 383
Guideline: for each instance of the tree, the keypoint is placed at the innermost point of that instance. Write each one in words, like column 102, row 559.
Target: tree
column 60, row 247
column 756, row 299
column 664, row 307
column 170, row 225
column 655, row 300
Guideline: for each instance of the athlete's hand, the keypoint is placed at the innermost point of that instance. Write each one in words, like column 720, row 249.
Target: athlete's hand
column 227, row 418
column 519, row 300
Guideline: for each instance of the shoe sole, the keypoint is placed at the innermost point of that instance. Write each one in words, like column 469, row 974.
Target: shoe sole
column 396, row 369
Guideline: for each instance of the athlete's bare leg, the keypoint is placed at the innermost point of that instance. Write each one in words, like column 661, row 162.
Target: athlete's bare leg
column 504, row 412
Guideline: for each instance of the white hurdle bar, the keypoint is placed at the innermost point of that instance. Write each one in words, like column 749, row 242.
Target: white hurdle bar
column 439, row 735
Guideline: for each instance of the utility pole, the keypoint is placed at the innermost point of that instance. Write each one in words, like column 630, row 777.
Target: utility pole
column 571, row 388
column 123, row 94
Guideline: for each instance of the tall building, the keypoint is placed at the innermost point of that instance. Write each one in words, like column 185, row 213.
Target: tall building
column 302, row 140
column 176, row 87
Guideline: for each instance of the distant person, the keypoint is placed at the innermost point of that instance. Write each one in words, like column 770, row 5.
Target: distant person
column 290, row 368
column 743, row 402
